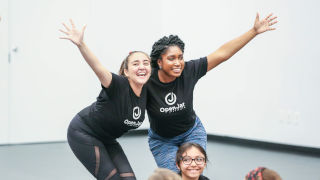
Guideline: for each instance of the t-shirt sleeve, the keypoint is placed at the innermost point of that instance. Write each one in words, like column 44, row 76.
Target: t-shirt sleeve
column 196, row 68
column 118, row 84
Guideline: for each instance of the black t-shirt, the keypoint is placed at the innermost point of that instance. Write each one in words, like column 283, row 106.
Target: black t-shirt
column 170, row 105
column 116, row 110
column 203, row 178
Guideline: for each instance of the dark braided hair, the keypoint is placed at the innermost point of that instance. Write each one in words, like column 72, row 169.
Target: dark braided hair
column 160, row 47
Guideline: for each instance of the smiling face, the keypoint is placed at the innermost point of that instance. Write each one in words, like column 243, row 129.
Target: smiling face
column 194, row 169
column 171, row 63
column 139, row 69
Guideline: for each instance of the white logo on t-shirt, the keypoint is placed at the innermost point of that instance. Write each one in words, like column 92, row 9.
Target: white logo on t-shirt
column 170, row 98
column 136, row 112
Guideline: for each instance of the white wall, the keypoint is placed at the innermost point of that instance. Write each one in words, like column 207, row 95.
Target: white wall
column 47, row 75
column 49, row 80
column 267, row 91
column 4, row 71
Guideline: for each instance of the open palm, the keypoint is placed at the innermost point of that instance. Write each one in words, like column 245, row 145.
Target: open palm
column 265, row 24
column 73, row 34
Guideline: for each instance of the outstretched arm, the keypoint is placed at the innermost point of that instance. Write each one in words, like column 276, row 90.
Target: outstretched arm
column 76, row 37
column 230, row 48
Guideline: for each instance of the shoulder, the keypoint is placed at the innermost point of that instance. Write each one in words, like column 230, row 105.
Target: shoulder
column 196, row 63
column 117, row 82
column 203, row 178
column 202, row 60
column 120, row 78
column 196, row 68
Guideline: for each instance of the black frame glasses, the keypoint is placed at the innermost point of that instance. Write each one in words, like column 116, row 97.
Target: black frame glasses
column 187, row 160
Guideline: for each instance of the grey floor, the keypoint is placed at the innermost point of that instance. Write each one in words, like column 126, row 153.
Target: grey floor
column 227, row 161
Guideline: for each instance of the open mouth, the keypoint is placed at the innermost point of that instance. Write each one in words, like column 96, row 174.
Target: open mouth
column 176, row 70
column 194, row 170
column 141, row 74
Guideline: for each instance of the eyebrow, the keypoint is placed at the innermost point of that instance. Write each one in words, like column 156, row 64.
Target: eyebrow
column 139, row 60
column 174, row 55
column 194, row 157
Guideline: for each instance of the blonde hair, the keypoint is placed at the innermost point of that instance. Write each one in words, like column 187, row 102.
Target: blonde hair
column 164, row 174
column 269, row 174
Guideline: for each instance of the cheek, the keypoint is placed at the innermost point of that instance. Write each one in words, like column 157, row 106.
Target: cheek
column 167, row 63
column 183, row 167
column 180, row 166
column 202, row 168
column 131, row 69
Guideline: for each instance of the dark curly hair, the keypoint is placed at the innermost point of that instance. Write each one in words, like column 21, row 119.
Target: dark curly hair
column 160, row 47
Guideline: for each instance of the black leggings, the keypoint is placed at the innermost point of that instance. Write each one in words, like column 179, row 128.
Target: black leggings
column 104, row 160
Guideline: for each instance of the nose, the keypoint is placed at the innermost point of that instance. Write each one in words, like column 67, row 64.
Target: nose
column 141, row 66
column 193, row 162
column 177, row 62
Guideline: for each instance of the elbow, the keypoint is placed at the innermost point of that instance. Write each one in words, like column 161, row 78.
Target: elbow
column 223, row 56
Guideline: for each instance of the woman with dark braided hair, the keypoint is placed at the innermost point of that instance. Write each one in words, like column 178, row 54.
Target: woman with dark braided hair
column 119, row 108
column 170, row 92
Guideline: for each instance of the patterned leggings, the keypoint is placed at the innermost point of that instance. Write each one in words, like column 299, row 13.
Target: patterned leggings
column 104, row 160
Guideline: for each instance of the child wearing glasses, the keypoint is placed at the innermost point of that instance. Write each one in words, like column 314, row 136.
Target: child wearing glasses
column 191, row 159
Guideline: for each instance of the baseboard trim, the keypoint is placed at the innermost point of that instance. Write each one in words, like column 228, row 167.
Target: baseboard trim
column 250, row 143
column 310, row 151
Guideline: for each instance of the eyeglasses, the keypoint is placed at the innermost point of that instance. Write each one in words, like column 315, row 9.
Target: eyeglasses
column 187, row 160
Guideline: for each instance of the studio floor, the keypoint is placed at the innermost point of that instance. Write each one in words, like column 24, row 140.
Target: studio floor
column 55, row 161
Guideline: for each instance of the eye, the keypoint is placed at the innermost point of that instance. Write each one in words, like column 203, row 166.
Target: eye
column 180, row 57
column 171, row 58
column 186, row 159
column 200, row 159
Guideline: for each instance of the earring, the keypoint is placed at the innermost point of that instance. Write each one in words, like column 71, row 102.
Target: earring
column 160, row 67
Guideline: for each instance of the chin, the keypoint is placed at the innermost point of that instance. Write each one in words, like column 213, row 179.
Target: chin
column 141, row 82
column 193, row 174
column 176, row 74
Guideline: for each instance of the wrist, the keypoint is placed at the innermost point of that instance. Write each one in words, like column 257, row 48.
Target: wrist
column 81, row 44
column 253, row 31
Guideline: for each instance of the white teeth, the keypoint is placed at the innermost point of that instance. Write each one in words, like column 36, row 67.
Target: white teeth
column 193, row 170
column 141, row 74
column 177, row 70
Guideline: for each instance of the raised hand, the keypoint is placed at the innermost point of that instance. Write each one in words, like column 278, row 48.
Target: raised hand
column 73, row 34
column 265, row 24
